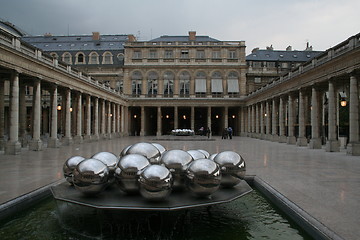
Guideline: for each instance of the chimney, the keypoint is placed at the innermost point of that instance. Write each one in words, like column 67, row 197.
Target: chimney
column 131, row 38
column 289, row 48
column 47, row 35
column 96, row 36
column 192, row 35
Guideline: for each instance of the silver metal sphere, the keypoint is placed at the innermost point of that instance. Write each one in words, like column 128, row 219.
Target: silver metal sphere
column 212, row 156
column 148, row 150
column 196, row 154
column 69, row 166
column 128, row 171
column 108, row 158
column 123, row 152
column 155, row 183
column 206, row 153
column 160, row 147
column 177, row 162
column 232, row 167
column 203, row 177
column 91, row 176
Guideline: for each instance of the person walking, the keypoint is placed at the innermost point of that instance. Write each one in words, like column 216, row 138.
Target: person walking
column 224, row 134
column 208, row 132
column 230, row 132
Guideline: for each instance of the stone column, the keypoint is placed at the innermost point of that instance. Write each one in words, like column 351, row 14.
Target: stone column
column 268, row 120
column 78, row 137
column 261, row 117
column 142, row 126
column 257, row 120
column 176, row 117
column 253, row 122
column 2, row 113
column 67, row 140
column 249, row 120
column 302, row 140
column 22, row 116
column 209, row 120
column 95, row 135
column 122, row 126
column 36, row 143
column 118, row 120
column 108, row 120
column 315, row 141
column 113, row 120
column 126, row 121
column 103, row 119
column 87, row 136
column 53, row 140
column 13, row 145
column 332, row 144
column 291, row 120
column 192, row 118
column 353, row 148
column 282, row 136
column 226, row 117
column 159, row 122
column 274, row 121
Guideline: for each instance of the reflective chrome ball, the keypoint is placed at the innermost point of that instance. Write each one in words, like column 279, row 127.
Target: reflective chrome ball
column 91, row 176
column 177, row 162
column 69, row 166
column 123, row 152
column 160, row 147
column 110, row 160
column 155, row 183
column 148, row 150
column 196, row 154
column 128, row 171
column 206, row 153
column 232, row 167
column 203, row 177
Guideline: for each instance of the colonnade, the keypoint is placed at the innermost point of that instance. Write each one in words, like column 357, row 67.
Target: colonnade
column 308, row 116
column 63, row 115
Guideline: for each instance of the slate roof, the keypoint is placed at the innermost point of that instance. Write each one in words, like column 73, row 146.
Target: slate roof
column 282, row 56
column 166, row 38
column 77, row 43
column 11, row 28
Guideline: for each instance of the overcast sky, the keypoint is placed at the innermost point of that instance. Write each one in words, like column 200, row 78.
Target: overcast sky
column 261, row 23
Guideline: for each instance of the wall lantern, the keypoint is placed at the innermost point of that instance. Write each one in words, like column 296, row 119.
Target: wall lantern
column 167, row 116
column 343, row 102
column 233, row 116
column 184, row 117
column 58, row 107
column 217, row 116
column 135, row 116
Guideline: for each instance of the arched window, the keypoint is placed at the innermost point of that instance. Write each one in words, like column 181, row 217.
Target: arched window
column 152, row 85
column 216, row 84
column 80, row 58
column 94, row 58
column 54, row 55
column 66, row 57
column 233, row 84
column 184, row 84
column 136, row 83
column 120, row 57
column 168, row 84
column 200, row 84
column 107, row 58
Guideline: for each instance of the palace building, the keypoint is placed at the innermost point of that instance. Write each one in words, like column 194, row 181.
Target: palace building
column 119, row 85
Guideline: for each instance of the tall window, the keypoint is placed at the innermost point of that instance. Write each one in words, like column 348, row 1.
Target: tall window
column 232, row 54
column 184, row 84
column 66, row 57
column 54, row 55
column 200, row 54
column 137, row 54
column 216, row 84
column 184, row 54
column 107, row 58
column 216, row 54
column 233, row 84
column 168, row 84
column 136, row 83
column 94, row 58
column 169, row 54
column 153, row 54
column 152, row 84
column 200, row 84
